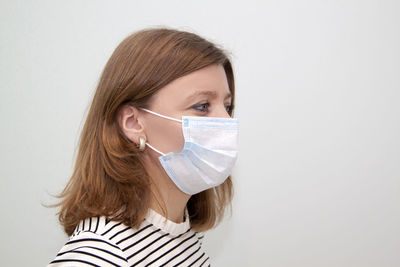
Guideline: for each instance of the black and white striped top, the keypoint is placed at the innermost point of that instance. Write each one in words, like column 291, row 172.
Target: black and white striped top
column 97, row 241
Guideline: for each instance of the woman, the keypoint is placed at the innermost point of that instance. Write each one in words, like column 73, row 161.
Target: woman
column 155, row 155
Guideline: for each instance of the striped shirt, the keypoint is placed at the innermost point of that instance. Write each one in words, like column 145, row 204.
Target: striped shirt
column 98, row 241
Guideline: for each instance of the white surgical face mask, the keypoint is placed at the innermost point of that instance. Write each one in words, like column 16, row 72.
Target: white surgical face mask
column 208, row 155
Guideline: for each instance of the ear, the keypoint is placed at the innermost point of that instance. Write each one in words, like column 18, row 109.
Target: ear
column 130, row 124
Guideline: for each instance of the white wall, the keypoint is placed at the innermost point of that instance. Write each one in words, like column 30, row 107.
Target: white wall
column 318, row 92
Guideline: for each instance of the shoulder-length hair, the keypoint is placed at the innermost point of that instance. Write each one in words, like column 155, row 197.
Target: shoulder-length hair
column 109, row 177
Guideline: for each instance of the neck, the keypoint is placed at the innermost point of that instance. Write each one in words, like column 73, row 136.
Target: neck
column 167, row 199
column 169, row 204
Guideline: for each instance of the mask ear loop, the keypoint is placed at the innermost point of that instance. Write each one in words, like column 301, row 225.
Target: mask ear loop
column 156, row 150
column 159, row 115
column 162, row 116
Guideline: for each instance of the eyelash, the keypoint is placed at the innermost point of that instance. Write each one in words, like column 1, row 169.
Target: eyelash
column 196, row 107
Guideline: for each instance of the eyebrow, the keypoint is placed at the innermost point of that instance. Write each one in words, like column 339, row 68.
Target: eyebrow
column 209, row 93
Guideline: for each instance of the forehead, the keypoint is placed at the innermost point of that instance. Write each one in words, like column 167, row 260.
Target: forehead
column 201, row 82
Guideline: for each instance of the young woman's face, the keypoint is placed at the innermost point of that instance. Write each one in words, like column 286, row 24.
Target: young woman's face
column 204, row 92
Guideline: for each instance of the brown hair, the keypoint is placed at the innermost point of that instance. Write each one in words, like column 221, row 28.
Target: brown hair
column 109, row 177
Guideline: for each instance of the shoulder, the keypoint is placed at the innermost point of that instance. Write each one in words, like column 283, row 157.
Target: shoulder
column 92, row 244
column 97, row 241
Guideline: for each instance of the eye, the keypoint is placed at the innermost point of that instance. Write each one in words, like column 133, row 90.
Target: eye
column 228, row 108
column 202, row 107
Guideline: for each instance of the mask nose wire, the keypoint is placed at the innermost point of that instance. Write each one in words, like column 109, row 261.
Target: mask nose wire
column 162, row 116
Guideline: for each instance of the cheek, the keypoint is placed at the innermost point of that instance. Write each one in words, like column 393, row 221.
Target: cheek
column 165, row 135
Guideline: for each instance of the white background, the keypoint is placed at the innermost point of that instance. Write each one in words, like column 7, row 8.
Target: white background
column 318, row 92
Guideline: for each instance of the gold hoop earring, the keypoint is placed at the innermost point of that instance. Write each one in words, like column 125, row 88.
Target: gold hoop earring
column 142, row 143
